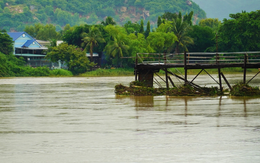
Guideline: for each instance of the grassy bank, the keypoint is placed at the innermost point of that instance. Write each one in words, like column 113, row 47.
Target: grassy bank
column 109, row 72
column 130, row 71
column 26, row 71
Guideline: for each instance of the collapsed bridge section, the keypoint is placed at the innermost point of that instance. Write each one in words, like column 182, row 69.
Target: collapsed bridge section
column 147, row 65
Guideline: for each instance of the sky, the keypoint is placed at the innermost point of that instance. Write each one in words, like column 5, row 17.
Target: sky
column 222, row 8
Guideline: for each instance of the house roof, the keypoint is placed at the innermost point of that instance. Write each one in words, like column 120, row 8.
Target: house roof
column 15, row 35
column 28, row 43
column 94, row 55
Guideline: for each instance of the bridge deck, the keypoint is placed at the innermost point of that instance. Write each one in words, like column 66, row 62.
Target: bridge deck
column 196, row 65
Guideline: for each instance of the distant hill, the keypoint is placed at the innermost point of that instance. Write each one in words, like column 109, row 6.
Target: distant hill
column 222, row 8
column 16, row 14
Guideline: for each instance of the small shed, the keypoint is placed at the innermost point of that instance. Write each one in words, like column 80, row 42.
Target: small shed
column 96, row 58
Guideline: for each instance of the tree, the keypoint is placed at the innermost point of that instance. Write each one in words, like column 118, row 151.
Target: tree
column 181, row 29
column 159, row 21
column 109, row 20
column 6, row 43
column 142, row 27
column 74, row 57
column 161, row 41
column 118, row 46
column 240, row 32
column 138, row 3
column 138, row 44
column 210, row 22
column 33, row 30
column 203, row 37
column 47, row 32
column 42, row 32
column 147, row 31
column 188, row 18
column 169, row 16
column 92, row 39
column 132, row 27
column 74, row 35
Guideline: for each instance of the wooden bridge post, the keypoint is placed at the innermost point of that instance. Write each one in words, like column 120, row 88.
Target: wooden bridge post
column 219, row 72
column 245, row 60
column 136, row 62
column 220, row 82
column 185, row 67
column 166, row 72
column 166, row 76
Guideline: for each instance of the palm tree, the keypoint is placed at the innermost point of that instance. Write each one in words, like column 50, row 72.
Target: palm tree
column 181, row 27
column 117, row 46
column 91, row 39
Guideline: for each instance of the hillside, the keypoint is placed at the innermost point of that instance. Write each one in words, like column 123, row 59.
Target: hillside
column 222, row 8
column 16, row 14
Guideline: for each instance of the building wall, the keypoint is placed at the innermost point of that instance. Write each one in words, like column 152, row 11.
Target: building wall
column 19, row 42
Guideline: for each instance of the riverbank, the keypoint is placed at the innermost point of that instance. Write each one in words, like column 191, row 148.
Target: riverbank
column 109, row 72
column 130, row 71
column 44, row 71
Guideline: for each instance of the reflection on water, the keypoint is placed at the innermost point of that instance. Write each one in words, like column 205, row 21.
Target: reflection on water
column 82, row 120
column 166, row 103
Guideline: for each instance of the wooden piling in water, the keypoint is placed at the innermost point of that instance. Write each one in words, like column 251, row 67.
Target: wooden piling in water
column 185, row 68
column 245, row 60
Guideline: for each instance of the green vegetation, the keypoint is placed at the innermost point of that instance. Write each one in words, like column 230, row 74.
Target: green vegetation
column 75, row 58
column 109, row 72
column 139, row 89
column 119, row 44
column 43, row 32
column 241, row 89
column 10, row 66
column 16, row 14
column 239, row 33
column 60, row 72
column 184, row 90
column 91, row 39
column 6, row 43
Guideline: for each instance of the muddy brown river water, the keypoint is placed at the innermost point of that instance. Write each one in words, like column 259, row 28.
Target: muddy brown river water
column 81, row 120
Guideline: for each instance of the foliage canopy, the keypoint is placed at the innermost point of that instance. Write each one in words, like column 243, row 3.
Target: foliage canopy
column 74, row 57
column 16, row 14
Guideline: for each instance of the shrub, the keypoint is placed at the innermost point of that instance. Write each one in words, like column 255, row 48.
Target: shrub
column 61, row 72
column 242, row 89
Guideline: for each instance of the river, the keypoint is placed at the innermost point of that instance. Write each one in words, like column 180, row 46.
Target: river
column 81, row 120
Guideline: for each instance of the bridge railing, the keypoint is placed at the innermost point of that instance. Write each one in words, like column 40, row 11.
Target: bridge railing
column 198, row 58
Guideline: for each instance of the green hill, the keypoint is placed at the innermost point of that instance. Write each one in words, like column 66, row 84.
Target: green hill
column 16, row 14
column 222, row 8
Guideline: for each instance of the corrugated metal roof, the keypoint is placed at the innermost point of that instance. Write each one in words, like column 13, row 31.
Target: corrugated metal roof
column 94, row 54
column 15, row 35
column 28, row 43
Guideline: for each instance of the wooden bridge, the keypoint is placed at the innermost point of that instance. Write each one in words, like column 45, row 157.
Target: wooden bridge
column 149, row 64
